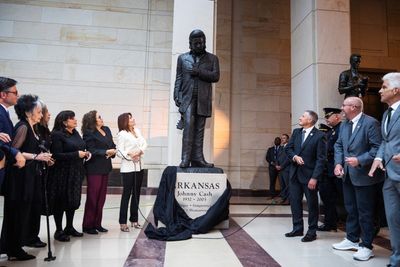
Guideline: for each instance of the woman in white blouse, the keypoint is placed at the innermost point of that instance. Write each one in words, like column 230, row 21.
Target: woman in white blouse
column 130, row 148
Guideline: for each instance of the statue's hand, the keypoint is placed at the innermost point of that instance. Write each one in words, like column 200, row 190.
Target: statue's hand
column 194, row 71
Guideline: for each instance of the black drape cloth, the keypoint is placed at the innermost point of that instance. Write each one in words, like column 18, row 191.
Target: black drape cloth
column 179, row 226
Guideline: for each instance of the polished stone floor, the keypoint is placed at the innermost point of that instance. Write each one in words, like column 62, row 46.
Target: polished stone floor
column 260, row 243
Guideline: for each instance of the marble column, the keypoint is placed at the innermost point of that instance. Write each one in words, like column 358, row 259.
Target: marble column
column 320, row 50
column 188, row 15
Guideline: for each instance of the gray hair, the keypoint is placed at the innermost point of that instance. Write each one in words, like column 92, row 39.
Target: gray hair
column 313, row 116
column 393, row 79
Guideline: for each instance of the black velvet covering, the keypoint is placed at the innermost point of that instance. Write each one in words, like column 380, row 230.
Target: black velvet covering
column 179, row 226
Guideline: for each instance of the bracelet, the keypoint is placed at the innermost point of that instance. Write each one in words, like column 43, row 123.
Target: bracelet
column 34, row 156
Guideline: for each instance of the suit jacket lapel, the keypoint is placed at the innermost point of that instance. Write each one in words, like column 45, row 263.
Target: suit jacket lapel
column 383, row 131
column 356, row 130
column 393, row 119
column 310, row 135
column 297, row 142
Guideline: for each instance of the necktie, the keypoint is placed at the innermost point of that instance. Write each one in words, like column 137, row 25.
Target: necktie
column 389, row 115
column 303, row 136
column 350, row 129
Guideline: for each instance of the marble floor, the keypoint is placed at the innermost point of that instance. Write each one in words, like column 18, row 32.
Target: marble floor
column 260, row 243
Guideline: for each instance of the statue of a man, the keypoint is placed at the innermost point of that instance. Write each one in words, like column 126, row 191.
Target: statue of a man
column 351, row 83
column 195, row 72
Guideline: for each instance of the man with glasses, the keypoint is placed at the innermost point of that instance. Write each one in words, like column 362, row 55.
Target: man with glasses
column 388, row 159
column 355, row 150
column 8, row 98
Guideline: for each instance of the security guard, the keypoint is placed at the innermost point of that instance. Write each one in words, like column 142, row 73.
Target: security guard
column 330, row 188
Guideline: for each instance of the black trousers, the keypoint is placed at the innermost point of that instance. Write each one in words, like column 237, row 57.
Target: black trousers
column 273, row 176
column 15, row 214
column 132, row 182
column 193, row 134
column 330, row 190
column 297, row 190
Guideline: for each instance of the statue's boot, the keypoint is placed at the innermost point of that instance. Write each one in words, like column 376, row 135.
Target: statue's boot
column 187, row 144
column 197, row 150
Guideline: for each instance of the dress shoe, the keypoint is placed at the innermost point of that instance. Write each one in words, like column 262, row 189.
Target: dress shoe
column 201, row 164
column 72, row 232
column 101, row 229
column 326, row 228
column 90, row 231
column 184, row 164
column 294, row 233
column 20, row 256
column 308, row 238
column 37, row 244
column 61, row 236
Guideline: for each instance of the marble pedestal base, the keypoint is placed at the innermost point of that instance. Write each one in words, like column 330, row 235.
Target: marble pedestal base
column 197, row 189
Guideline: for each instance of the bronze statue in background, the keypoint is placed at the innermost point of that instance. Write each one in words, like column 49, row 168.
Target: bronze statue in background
column 351, row 83
column 195, row 72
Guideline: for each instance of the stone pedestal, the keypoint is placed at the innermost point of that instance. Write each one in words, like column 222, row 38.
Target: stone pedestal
column 197, row 189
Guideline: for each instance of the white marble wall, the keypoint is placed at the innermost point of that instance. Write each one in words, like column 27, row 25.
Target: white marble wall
column 320, row 38
column 112, row 56
column 252, row 100
column 184, row 22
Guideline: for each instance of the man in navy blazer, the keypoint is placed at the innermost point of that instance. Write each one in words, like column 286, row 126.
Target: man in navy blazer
column 8, row 98
column 307, row 150
column 388, row 159
column 355, row 150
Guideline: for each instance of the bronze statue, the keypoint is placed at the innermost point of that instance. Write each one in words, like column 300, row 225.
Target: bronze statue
column 351, row 83
column 195, row 72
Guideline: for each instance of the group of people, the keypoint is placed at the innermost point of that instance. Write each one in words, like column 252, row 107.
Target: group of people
column 357, row 158
column 36, row 162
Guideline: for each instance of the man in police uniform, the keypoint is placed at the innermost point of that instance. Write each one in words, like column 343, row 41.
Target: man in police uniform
column 330, row 188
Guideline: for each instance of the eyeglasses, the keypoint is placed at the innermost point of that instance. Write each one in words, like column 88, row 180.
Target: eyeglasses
column 11, row 92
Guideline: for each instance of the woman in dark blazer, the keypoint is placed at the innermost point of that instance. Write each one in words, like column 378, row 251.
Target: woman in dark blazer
column 66, row 176
column 99, row 142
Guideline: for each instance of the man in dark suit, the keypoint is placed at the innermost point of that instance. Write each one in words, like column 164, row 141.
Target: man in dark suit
column 284, row 168
column 8, row 98
column 355, row 150
column 330, row 187
column 195, row 72
column 388, row 159
column 273, row 169
column 307, row 150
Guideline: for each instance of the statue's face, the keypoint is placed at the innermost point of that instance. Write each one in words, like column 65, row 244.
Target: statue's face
column 198, row 45
column 355, row 62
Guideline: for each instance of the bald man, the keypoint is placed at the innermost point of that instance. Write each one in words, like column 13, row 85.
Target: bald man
column 355, row 150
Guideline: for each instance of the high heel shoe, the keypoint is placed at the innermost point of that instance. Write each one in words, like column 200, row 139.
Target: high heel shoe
column 124, row 228
column 136, row 225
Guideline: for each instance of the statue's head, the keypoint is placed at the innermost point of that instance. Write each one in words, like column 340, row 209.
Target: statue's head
column 197, row 42
column 355, row 60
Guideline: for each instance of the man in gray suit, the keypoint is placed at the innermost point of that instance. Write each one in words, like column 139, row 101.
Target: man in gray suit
column 355, row 150
column 388, row 158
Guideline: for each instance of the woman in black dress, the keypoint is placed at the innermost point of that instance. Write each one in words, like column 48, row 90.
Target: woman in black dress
column 99, row 142
column 22, row 196
column 66, row 176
